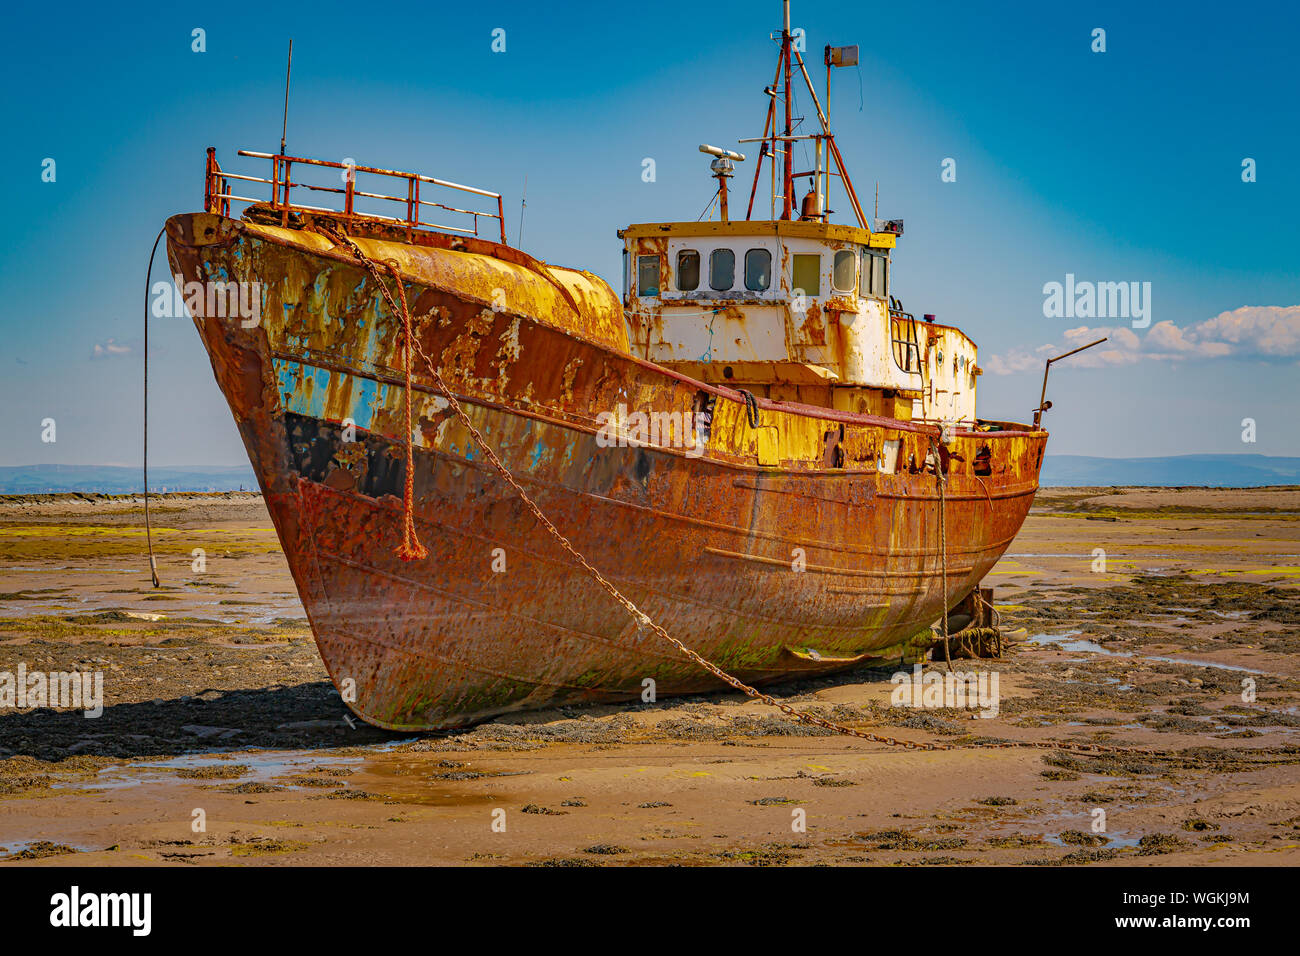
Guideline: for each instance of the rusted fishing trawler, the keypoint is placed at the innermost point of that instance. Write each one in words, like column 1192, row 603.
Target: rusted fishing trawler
column 751, row 439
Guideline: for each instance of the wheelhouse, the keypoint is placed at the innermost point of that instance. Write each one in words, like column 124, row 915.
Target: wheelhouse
column 798, row 311
column 793, row 307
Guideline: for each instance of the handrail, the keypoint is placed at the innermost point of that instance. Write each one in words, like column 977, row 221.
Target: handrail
column 217, row 195
column 912, row 342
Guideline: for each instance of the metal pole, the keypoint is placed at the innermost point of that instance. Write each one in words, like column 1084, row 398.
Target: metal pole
column 523, row 204
column 827, row 190
column 768, row 123
column 789, row 154
column 1042, row 397
column 209, row 181
column 771, row 207
column 287, row 70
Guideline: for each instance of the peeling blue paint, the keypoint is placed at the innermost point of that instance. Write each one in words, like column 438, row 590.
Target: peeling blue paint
column 364, row 393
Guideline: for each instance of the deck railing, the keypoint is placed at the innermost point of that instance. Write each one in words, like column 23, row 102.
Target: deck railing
column 217, row 194
column 903, row 338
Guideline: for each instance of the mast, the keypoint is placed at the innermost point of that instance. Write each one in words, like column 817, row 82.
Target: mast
column 827, row 150
column 787, row 184
column 826, row 188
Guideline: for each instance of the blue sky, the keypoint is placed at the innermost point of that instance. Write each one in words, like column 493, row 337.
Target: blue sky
column 1115, row 166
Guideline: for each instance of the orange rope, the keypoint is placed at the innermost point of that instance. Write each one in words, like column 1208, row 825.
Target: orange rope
column 410, row 549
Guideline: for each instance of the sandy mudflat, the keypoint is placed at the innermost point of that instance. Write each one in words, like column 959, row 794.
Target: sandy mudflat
column 217, row 701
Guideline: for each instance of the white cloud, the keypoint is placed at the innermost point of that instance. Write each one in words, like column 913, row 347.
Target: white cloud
column 110, row 349
column 1258, row 332
column 1262, row 330
column 1020, row 360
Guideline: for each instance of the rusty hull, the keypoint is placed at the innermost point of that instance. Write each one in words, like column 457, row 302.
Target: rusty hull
column 706, row 545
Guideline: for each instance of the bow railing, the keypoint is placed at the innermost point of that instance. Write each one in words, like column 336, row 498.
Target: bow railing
column 423, row 196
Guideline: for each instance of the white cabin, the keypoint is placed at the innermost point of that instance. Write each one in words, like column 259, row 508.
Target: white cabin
column 792, row 310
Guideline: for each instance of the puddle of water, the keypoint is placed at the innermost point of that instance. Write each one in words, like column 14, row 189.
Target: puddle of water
column 1075, row 554
column 1091, row 647
column 1113, row 841
column 263, row 767
column 17, row 846
column 1283, row 711
column 255, row 612
column 205, row 610
column 1104, row 681
column 1214, row 664
column 1261, row 728
column 1064, row 643
column 1226, row 615
column 407, row 781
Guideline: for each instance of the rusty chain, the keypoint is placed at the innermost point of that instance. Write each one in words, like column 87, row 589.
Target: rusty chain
column 643, row 621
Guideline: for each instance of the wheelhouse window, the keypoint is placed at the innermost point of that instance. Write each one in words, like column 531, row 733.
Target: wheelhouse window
column 844, row 277
column 807, row 273
column 875, row 275
column 758, row 270
column 879, row 276
column 722, row 270
column 688, row 270
column 647, row 275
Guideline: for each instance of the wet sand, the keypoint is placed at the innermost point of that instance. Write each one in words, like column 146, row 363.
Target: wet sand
column 216, row 701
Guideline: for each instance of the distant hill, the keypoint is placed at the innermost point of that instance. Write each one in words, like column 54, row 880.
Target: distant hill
column 1212, row 471
column 118, row 480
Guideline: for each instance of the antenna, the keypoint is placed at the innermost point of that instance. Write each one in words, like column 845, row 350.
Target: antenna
column 287, row 70
column 834, row 56
column 722, row 170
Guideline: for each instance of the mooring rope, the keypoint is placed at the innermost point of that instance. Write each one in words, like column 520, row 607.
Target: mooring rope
column 410, row 549
column 941, row 480
column 751, row 407
column 642, row 620
column 148, row 530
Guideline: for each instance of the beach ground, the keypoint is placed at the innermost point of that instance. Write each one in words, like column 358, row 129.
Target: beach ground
column 1161, row 619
